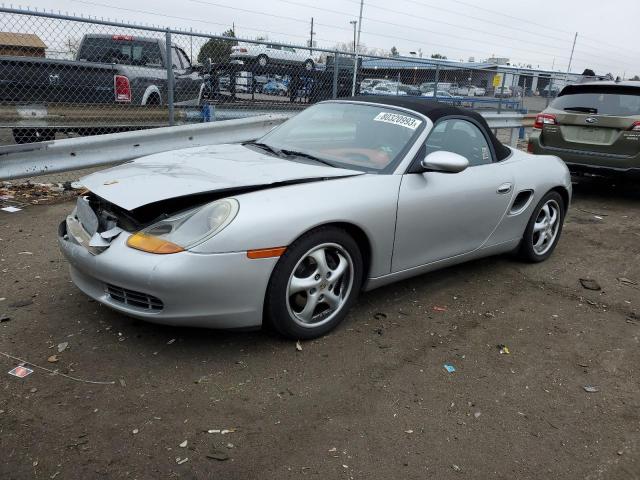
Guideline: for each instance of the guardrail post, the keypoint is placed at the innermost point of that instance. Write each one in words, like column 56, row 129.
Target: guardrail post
column 170, row 82
column 504, row 77
column 335, row 75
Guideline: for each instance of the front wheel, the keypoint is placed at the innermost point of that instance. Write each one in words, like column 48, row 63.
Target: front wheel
column 314, row 284
column 544, row 228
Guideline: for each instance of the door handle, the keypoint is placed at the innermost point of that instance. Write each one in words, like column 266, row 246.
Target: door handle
column 504, row 188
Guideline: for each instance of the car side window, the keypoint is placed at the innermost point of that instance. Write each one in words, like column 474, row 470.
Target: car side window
column 461, row 137
column 186, row 63
column 175, row 59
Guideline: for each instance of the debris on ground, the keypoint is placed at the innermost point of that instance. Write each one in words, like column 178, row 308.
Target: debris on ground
column 449, row 368
column 21, row 303
column 135, row 431
column 218, row 455
column 590, row 284
column 10, row 209
column 171, row 341
column 4, row 317
column 438, row 308
column 62, row 346
column 503, row 349
column 591, row 389
column 379, row 316
column 36, row 193
column 626, row 281
column 180, row 461
column 477, row 414
column 298, row 346
column 20, row 371
column 53, row 359
column 456, row 467
column 184, row 444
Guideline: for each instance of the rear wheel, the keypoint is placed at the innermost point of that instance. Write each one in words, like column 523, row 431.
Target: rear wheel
column 544, row 228
column 314, row 284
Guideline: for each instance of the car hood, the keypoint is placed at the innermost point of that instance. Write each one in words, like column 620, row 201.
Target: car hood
column 198, row 170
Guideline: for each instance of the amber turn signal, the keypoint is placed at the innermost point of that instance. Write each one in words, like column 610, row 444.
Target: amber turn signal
column 152, row 244
column 266, row 252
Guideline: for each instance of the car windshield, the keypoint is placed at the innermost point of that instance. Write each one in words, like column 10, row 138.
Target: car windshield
column 348, row 135
column 599, row 103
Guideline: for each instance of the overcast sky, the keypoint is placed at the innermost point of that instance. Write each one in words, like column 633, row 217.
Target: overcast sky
column 536, row 33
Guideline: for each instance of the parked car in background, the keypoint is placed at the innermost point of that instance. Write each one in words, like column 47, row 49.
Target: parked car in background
column 275, row 88
column 369, row 83
column 410, row 90
column 470, row 91
column 594, row 127
column 430, row 86
column 265, row 55
column 502, row 92
column 108, row 70
column 387, row 89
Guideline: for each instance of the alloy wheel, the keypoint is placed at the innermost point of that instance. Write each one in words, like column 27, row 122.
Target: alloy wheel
column 320, row 285
column 546, row 226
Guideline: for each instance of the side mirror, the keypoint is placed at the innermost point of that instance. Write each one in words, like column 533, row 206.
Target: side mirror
column 442, row 161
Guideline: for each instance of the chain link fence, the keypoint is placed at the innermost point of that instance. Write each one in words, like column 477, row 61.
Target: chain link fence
column 63, row 76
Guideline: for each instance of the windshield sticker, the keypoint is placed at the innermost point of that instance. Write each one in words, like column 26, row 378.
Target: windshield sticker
column 396, row 119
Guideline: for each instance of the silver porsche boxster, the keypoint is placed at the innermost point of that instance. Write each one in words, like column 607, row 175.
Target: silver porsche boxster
column 347, row 195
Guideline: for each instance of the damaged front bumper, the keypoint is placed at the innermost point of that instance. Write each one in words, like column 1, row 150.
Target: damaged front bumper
column 223, row 290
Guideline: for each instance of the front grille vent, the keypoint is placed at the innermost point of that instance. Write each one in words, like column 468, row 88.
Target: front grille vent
column 134, row 299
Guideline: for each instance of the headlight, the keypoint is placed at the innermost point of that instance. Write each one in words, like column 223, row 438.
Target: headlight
column 185, row 230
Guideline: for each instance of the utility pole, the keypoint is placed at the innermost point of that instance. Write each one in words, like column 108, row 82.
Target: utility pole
column 354, row 23
column 355, row 60
column 571, row 57
column 311, row 38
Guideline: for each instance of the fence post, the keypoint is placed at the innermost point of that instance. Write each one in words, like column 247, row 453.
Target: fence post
column 549, row 94
column 504, row 77
column 170, row 81
column 335, row 75
column 435, row 84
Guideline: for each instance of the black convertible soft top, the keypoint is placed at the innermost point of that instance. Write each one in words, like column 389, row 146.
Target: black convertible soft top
column 436, row 110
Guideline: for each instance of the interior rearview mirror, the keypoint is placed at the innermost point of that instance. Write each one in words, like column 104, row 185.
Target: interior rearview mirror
column 442, row 161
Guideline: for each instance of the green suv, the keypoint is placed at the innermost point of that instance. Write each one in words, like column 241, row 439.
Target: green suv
column 594, row 127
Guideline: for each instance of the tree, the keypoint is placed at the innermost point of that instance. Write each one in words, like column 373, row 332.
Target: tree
column 588, row 73
column 394, row 52
column 635, row 78
column 439, row 56
column 218, row 49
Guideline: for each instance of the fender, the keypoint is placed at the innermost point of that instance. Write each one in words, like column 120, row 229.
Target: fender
column 151, row 89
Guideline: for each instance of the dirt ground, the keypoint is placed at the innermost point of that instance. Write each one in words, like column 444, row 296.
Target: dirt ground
column 370, row 401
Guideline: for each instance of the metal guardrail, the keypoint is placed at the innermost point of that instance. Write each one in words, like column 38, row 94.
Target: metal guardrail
column 19, row 161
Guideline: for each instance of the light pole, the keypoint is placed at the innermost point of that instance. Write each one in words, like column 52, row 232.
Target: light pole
column 354, row 23
column 357, row 43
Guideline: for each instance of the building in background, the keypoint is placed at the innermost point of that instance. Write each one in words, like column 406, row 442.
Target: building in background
column 21, row 45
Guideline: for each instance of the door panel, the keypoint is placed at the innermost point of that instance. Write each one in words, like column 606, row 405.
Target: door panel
column 441, row 215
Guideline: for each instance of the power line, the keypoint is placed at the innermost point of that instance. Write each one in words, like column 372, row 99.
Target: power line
column 190, row 19
column 520, row 19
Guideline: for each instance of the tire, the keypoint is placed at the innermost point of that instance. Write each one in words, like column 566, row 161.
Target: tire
column 262, row 60
column 308, row 65
column 291, row 312
column 33, row 135
column 153, row 100
column 542, row 228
